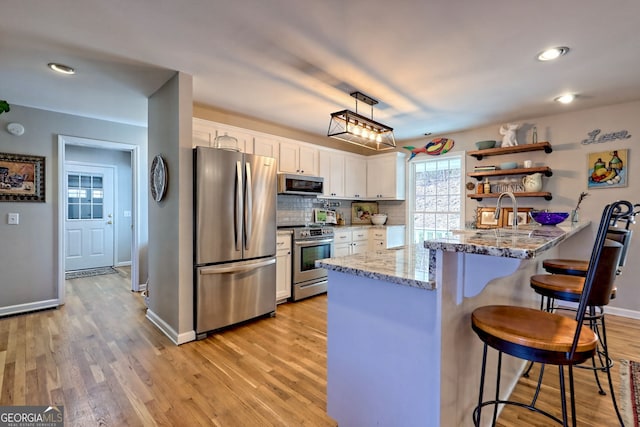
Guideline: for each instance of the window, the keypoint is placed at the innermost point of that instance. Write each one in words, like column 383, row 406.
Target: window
column 435, row 198
column 85, row 196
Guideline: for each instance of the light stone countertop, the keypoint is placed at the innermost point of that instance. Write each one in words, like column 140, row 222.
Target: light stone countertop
column 406, row 265
column 415, row 265
column 527, row 242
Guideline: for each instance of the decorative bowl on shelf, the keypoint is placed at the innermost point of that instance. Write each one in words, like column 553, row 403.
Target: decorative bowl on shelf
column 378, row 219
column 483, row 145
column 508, row 165
column 548, row 218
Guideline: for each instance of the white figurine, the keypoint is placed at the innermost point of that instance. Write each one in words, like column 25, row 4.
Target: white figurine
column 509, row 132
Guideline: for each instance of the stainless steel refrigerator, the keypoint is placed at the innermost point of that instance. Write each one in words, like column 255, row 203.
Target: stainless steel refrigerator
column 235, row 237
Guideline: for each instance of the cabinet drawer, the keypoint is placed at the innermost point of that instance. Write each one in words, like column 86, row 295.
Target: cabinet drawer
column 378, row 244
column 283, row 241
column 378, row 234
column 342, row 236
column 359, row 235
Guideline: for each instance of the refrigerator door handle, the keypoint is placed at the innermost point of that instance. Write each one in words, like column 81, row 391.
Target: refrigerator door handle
column 238, row 210
column 237, row 269
column 248, row 204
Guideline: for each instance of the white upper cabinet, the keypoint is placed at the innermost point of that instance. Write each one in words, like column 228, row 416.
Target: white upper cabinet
column 297, row 158
column 205, row 133
column 332, row 170
column 308, row 160
column 355, row 177
column 386, row 176
column 264, row 146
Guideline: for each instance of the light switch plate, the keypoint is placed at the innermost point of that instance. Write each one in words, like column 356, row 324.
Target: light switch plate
column 13, row 219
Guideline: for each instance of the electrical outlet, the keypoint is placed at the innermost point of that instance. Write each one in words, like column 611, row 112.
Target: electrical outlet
column 13, row 219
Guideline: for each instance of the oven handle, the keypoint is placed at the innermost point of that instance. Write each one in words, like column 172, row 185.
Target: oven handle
column 312, row 242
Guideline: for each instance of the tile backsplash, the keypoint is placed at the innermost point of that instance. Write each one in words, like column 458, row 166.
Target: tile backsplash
column 295, row 210
column 298, row 210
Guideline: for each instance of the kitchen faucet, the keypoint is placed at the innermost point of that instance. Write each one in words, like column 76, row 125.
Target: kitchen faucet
column 515, row 208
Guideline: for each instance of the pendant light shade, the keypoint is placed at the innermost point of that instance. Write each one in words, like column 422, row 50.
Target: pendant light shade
column 357, row 129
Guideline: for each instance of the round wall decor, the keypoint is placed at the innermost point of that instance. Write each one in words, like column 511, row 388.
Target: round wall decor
column 158, row 178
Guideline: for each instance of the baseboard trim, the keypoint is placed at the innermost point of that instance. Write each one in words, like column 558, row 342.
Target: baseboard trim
column 615, row 311
column 123, row 264
column 623, row 312
column 32, row 306
column 171, row 333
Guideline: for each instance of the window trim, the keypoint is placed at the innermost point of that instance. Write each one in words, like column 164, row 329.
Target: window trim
column 410, row 231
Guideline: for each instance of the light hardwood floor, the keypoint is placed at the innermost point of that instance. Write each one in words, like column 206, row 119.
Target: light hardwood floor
column 100, row 358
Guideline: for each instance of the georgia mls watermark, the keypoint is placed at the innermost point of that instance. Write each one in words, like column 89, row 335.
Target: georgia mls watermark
column 31, row 416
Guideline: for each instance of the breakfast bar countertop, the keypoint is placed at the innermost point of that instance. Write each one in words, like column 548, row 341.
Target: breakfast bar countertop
column 527, row 242
column 415, row 265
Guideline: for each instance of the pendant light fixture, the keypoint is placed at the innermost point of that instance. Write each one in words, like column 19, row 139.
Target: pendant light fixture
column 360, row 130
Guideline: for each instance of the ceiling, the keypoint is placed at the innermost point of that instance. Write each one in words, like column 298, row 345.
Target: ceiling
column 435, row 66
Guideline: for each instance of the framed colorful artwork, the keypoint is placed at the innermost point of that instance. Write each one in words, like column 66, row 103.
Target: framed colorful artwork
column 608, row 169
column 361, row 212
column 486, row 218
column 21, row 178
column 506, row 216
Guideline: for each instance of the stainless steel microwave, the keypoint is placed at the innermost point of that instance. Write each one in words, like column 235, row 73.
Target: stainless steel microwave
column 301, row 185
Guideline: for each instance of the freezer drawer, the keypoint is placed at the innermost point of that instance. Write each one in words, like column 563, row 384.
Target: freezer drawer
column 234, row 292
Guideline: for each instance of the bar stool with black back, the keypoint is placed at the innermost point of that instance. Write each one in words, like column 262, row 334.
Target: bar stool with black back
column 619, row 231
column 545, row 337
column 569, row 287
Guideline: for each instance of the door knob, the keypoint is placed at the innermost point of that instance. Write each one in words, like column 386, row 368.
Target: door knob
column 109, row 222
column 110, row 216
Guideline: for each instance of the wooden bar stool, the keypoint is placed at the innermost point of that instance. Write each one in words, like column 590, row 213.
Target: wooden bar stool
column 618, row 231
column 578, row 267
column 545, row 337
column 566, row 284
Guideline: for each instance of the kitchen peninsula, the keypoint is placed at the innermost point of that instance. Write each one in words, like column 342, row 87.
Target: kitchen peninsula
column 400, row 349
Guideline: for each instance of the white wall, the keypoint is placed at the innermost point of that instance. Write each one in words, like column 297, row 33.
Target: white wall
column 28, row 265
column 568, row 162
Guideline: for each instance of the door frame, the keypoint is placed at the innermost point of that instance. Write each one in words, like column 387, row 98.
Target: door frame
column 134, row 150
column 114, row 171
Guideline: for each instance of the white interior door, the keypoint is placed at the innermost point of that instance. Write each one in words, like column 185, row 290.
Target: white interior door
column 89, row 219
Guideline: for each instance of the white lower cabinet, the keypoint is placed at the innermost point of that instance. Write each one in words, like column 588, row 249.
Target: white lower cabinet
column 359, row 240
column 341, row 243
column 387, row 237
column 283, row 267
column 350, row 241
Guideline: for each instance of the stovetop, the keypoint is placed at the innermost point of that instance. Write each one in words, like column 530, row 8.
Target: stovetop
column 309, row 231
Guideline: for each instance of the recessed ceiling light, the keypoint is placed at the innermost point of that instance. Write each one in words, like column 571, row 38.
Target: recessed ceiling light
column 553, row 53
column 566, row 99
column 61, row 68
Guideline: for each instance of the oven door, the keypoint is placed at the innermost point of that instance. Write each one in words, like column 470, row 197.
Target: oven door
column 305, row 254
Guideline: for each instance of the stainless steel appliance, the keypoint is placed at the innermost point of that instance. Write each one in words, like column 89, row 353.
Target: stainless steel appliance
column 235, row 237
column 310, row 244
column 300, row 185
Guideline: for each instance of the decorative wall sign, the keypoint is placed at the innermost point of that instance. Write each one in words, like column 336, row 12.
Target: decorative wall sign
column 158, row 178
column 612, row 136
column 434, row 148
column 608, row 169
column 21, row 178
